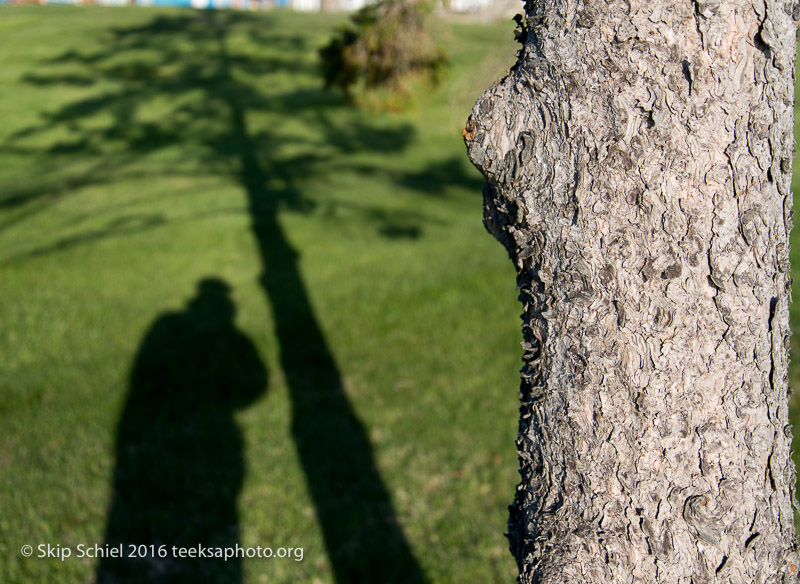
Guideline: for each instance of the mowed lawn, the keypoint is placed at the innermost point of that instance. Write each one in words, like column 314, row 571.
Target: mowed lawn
column 160, row 169
column 175, row 182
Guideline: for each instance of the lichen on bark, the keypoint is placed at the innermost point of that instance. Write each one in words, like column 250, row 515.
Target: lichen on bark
column 638, row 166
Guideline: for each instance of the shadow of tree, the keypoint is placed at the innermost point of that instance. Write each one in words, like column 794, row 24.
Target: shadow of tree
column 165, row 90
column 185, row 94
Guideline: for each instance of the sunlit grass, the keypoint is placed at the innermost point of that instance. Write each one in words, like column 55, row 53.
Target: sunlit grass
column 119, row 192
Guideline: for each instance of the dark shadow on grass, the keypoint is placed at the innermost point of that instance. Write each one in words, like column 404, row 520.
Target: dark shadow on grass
column 179, row 453
column 364, row 540
column 439, row 175
column 215, row 95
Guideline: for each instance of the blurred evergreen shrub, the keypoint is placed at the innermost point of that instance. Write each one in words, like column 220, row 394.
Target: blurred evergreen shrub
column 376, row 56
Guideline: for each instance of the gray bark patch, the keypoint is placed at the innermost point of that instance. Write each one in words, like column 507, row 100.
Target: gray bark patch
column 638, row 167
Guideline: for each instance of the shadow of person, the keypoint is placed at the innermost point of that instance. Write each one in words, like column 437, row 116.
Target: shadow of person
column 179, row 453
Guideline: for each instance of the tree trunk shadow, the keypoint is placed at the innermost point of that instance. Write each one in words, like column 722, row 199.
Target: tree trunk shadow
column 364, row 540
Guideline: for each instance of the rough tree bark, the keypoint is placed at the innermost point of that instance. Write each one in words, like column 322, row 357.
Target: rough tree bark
column 638, row 163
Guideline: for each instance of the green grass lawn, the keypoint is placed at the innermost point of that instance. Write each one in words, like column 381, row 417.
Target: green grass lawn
column 173, row 184
column 145, row 150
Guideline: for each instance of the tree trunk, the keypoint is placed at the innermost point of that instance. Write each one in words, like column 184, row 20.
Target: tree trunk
column 638, row 163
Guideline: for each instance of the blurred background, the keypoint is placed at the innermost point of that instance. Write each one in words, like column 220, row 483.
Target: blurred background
column 233, row 305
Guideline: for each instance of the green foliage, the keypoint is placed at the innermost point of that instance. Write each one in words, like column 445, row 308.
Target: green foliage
column 380, row 51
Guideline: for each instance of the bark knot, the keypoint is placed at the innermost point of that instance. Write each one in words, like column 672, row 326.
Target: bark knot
column 468, row 132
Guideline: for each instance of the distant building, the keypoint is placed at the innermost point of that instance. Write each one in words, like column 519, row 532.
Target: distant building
column 469, row 5
column 310, row 5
